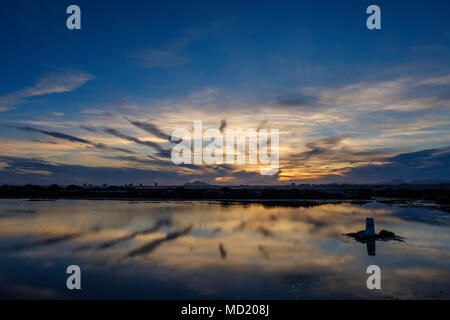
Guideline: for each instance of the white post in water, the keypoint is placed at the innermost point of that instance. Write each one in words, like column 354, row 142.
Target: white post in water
column 370, row 227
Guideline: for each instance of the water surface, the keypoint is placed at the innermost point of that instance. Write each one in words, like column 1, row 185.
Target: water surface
column 213, row 250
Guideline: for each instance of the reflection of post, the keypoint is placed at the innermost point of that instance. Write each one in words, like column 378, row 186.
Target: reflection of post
column 371, row 247
column 370, row 227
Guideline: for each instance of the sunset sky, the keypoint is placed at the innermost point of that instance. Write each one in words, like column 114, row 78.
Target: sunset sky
column 98, row 105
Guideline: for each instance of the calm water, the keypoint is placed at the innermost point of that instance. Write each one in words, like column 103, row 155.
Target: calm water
column 209, row 250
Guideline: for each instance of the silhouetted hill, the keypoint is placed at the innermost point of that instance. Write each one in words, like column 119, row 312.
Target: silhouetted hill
column 196, row 183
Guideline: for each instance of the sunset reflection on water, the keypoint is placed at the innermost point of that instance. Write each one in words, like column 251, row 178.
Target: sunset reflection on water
column 214, row 250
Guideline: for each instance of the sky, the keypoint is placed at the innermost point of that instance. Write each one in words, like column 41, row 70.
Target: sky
column 98, row 105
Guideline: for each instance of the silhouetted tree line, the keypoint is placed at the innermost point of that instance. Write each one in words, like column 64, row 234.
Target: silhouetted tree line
column 437, row 193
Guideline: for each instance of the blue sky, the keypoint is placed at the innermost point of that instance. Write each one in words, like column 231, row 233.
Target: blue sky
column 311, row 69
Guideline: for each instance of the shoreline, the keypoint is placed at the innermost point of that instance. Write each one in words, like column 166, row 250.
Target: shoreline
column 288, row 202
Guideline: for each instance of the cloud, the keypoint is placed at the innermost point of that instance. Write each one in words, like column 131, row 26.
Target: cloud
column 223, row 252
column 55, row 134
column 335, row 149
column 161, row 58
column 169, row 55
column 52, row 83
column 262, row 125
column 300, row 101
column 429, row 164
column 223, row 125
column 66, row 174
column 321, row 147
column 57, row 83
column 346, row 132
column 87, row 128
column 41, row 141
column 153, row 161
column 150, row 128
column 75, row 139
column 13, row 170
column 401, row 94
column 150, row 144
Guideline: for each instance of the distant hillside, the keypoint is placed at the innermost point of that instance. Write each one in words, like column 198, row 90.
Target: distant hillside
column 196, row 183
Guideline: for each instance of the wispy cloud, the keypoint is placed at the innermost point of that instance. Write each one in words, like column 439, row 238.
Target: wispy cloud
column 324, row 146
column 401, row 94
column 71, row 138
column 150, row 128
column 49, row 84
column 223, row 125
column 169, row 55
column 40, row 141
column 147, row 143
column 55, row 134
column 87, row 128
column 430, row 164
